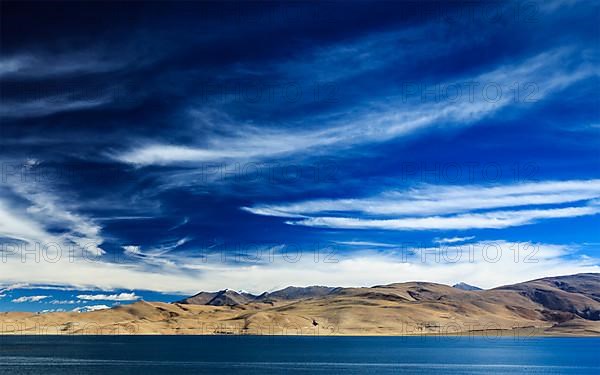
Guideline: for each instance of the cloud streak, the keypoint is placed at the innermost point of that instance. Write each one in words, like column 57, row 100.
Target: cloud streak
column 32, row 224
column 379, row 122
column 453, row 239
column 446, row 207
column 491, row 220
column 109, row 297
column 29, row 299
column 50, row 105
column 90, row 308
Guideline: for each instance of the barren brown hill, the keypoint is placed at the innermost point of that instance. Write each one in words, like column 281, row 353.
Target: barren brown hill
column 566, row 305
column 225, row 297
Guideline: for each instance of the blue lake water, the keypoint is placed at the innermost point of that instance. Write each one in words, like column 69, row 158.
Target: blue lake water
column 296, row 355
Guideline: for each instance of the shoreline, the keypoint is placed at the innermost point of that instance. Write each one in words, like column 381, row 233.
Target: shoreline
column 312, row 336
column 485, row 335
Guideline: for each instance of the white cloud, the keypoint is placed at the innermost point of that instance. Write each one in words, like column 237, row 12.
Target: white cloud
column 132, row 249
column 65, row 98
column 476, row 264
column 30, row 223
column 11, row 65
column 109, row 297
column 18, row 226
column 46, row 65
column 366, row 243
column 51, row 311
column 49, row 105
column 63, row 302
column 155, row 254
column 90, row 308
column 433, row 199
column 378, row 122
column 453, row 239
column 85, row 274
column 495, row 220
column 189, row 274
column 446, row 207
column 29, row 299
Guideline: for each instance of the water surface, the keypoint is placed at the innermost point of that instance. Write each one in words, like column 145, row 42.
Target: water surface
column 296, row 355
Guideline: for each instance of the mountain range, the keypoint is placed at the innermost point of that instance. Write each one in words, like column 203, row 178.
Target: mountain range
column 228, row 297
column 564, row 305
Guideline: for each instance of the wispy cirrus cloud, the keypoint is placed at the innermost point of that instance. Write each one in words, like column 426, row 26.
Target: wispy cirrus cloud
column 375, row 122
column 25, row 299
column 41, row 218
column 492, row 220
column 446, row 207
column 45, row 83
column 32, row 65
column 50, row 105
column 434, row 199
column 367, row 244
column 453, row 239
column 156, row 253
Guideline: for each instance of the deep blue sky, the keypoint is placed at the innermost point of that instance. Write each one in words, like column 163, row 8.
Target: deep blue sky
column 174, row 147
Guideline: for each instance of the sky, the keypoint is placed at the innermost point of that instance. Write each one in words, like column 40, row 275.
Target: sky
column 151, row 152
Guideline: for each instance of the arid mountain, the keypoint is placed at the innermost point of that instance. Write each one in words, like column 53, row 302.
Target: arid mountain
column 564, row 298
column 229, row 297
column 566, row 305
column 225, row 297
column 294, row 293
column 202, row 298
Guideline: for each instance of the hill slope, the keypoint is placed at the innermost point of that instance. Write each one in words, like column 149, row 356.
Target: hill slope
column 566, row 305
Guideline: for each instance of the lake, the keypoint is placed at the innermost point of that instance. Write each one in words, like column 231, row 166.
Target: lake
column 296, row 355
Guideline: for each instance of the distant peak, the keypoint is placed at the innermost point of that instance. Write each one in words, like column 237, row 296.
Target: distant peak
column 465, row 286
